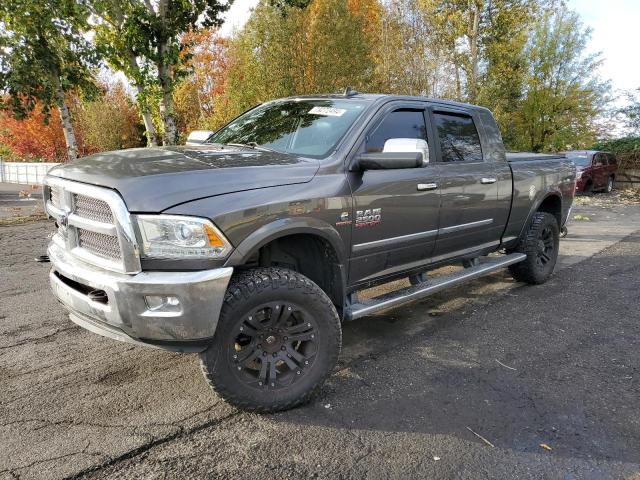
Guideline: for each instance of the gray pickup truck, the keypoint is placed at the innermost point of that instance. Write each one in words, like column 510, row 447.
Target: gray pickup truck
column 251, row 246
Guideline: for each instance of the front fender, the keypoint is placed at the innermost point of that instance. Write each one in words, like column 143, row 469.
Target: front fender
column 282, row 228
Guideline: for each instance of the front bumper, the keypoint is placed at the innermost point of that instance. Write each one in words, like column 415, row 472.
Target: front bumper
column 125, row 313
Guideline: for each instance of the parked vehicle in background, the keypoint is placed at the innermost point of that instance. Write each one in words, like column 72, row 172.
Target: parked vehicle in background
column 250, row 247
column 595, row 171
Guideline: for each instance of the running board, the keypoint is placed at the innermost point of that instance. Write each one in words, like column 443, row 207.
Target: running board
column 416, row 292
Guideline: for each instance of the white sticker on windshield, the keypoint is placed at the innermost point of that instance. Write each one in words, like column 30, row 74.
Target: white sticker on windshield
column 329, row 111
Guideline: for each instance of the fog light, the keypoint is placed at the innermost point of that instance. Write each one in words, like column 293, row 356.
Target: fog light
column 162, row 303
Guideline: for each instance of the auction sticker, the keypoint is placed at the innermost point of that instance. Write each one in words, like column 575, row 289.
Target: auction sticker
column 329, row 111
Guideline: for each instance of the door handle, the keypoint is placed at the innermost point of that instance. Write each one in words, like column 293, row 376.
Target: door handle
column 427, row 186
column 487, row 180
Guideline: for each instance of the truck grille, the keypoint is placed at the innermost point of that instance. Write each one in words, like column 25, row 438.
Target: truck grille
column 93, row 209
column 106, row 246
column 93, row 224
column 56, row 197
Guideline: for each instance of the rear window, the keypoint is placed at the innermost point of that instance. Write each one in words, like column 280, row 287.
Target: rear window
column 459, row 139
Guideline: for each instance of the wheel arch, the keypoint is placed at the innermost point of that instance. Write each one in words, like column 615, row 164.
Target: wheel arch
column 307, row 245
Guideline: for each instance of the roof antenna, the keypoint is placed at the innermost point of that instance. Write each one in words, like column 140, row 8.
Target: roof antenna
column 349, row 92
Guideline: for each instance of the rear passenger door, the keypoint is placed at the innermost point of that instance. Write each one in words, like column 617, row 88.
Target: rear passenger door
column 468, row 186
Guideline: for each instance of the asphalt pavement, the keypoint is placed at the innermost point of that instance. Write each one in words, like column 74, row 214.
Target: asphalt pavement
column 493, row 379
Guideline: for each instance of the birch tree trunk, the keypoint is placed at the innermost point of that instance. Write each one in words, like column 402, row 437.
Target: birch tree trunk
column 65, row 120
column 167, row 108
column 152, row 139
column 472, row 36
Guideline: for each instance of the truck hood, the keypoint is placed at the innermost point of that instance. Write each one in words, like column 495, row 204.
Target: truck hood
column 154, row 179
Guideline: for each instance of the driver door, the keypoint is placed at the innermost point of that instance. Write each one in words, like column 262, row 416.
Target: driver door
column 395, row 215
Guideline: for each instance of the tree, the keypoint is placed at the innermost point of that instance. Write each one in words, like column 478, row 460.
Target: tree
column 198, row 95
column 142, row 39
column 43, row 55
column 631, row 113
column 109, row 122
column 31, row 138
column 563, row 94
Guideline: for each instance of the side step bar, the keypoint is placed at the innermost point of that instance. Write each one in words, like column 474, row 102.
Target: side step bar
column 416, row 292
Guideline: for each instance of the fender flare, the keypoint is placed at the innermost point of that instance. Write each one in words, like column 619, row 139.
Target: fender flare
column 284, row 227
column 542, row 196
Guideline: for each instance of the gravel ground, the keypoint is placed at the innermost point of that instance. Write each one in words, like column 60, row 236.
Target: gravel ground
column 557, row 364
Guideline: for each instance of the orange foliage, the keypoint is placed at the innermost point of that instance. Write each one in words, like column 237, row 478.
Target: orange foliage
column 32, row 139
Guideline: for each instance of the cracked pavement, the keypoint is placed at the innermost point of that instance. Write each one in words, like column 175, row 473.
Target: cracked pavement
column 557, row 364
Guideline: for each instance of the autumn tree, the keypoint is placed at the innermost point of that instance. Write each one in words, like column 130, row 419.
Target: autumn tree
column 30, row 138
column 109, row 122
column 142, row 39
column 43, row 55
column 198, row 95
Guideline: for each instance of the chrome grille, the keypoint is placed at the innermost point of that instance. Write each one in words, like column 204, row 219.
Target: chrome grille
column 93, row 209
column 56, row 197
column 106, row 246
column 94, row 224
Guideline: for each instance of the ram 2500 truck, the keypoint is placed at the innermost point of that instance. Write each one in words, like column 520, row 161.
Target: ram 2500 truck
column 250, row 248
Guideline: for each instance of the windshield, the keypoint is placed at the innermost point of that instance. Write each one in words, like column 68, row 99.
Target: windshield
column 580, row 160
column 305, row 127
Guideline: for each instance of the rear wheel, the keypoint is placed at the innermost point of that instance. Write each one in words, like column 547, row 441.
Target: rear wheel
column 609, row 186
column 278, row 339
column 540, row 243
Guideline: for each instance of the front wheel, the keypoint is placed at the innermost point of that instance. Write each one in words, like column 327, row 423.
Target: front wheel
column 540, row 243
column 277, row 340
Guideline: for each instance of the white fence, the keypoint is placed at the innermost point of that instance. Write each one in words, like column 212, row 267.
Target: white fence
column 25, row 173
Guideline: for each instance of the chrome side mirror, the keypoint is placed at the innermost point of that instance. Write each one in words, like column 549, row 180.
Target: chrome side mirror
column 409, row 145
column 198, row 137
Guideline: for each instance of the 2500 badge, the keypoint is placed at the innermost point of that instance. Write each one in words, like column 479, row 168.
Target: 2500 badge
column 368, row 218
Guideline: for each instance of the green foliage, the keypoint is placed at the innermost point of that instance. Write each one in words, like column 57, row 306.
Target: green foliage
column 563, row 97
column 620, row 145
column 42, row 50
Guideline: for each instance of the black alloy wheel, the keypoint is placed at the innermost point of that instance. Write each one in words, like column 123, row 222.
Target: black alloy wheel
column 274, row 346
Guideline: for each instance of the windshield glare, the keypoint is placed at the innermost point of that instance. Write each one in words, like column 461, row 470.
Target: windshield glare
column 305, row 127
column 580, row 160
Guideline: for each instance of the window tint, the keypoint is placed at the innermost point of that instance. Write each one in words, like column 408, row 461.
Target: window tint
column 599, row 159
column 612, row 159
column 401, row 123
column 459, row 138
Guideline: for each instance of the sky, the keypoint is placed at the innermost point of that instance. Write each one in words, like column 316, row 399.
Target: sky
column 614, row 25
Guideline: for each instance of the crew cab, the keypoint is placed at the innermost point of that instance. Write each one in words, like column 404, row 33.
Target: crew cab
column 250, row 244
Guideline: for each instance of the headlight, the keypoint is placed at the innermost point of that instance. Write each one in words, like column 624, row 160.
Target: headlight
column 174, row 236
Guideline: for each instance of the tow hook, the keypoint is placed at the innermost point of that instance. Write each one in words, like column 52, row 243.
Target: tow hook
column 563, row 232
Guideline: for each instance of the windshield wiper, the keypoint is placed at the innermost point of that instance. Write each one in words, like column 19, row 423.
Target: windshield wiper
column 251, row 145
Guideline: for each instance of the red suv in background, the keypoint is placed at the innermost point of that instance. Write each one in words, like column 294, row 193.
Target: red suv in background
column 594, row 170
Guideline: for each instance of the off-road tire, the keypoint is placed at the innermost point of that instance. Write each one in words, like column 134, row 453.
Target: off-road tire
column 532, row 270
column 247, row 291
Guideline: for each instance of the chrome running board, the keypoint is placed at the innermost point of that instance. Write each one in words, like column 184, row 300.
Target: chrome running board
column 416, row 292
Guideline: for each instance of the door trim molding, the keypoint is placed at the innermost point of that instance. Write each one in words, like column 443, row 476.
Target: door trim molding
column 387, row 241
column 464, row 226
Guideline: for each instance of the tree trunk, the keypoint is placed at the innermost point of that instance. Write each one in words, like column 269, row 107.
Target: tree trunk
column 152, row 140
column 65, row 120
column 472, row 36
column 165, row 78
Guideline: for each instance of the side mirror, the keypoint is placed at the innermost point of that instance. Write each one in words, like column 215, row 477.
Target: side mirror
column 198, row 137
column 389, row 160
column 408, row 145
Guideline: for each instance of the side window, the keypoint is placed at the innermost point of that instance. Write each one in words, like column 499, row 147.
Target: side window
column 459, row 139
column 599, row 159
column 612, row 159
column 402, row 123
